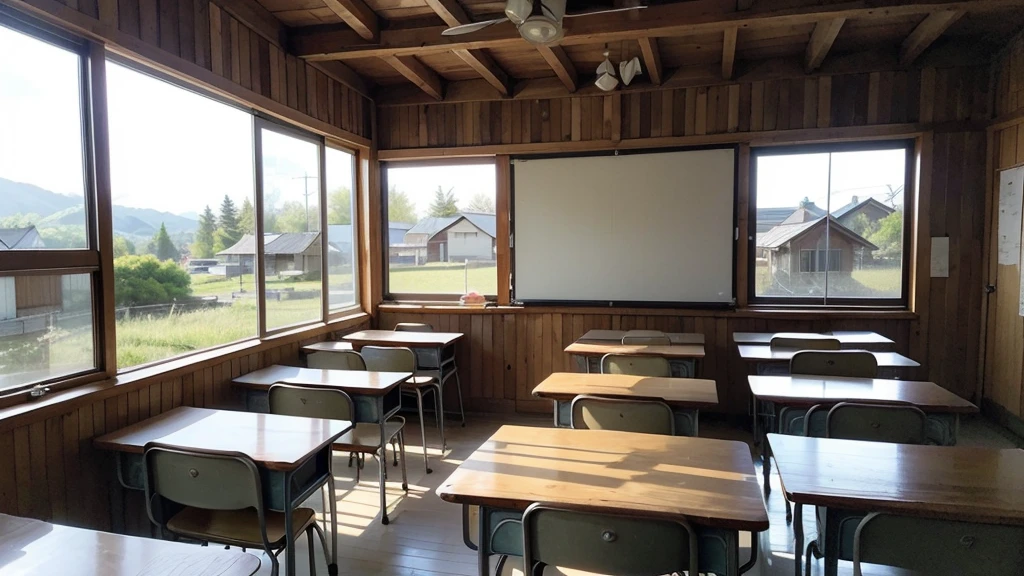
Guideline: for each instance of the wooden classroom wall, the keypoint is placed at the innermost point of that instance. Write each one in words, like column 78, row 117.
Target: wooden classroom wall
column 49, row 469
column 1005, row 335
column 200, row 32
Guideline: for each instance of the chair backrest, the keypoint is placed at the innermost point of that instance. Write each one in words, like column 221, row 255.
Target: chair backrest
column 815, row 421
column 654, row 366
column 804, row 343
column 413, row 327
column 938, row 547
column 387, row 359
column 647, row 339
column 850, row 363
column 646, row 416
column 899, row 424
column 337, row 360
column 606, row 543
column 309, row 402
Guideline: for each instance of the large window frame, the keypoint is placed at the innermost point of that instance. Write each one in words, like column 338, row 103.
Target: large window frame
column 909, row 205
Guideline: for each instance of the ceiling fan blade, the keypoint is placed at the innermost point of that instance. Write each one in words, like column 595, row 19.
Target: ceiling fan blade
column 471, row 27
column 594, row 12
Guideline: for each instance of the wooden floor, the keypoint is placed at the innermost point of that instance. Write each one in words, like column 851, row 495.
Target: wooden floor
column 425, row 534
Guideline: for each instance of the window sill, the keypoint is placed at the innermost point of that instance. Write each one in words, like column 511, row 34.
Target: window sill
column 63, row 401
column 747, row 312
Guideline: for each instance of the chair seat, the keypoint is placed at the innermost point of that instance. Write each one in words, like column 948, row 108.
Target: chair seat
column 365, row 437
column 237, row 527
column 418, row 382
column 514, row 567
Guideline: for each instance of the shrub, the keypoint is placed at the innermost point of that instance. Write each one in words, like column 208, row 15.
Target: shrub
column 142, row 280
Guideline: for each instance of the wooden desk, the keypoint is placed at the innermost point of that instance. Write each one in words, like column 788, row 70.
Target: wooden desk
column 682, row 357
column 616, row 336
column 851, row 338
column 376, row 396
column 402, row 338
column 326, row 347
column 32, row 548
column 764, row 354
column 295, row 452
column 685, row 395
column 970, row 483
column 710, row 483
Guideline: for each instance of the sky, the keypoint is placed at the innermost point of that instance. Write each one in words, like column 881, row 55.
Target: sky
column 465, row 181
column 784, row 180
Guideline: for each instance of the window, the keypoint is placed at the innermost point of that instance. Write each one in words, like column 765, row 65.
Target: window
column 441, row 225
column 47, row 244
column 292, row 245
column 183, row 207
column 341, row 232
column 830, row 224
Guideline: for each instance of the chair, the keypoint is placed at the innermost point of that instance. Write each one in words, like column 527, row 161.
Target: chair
column 645, row 339
column 804, row 343
column 217, row 497
column 644, row 416
column 653, row 366
column 606, row 543
column 385, row 359
column 363, row 438
column 849, row 363
column 338, row 360
column 506, row 537
column 938, row 547
column 441, row 365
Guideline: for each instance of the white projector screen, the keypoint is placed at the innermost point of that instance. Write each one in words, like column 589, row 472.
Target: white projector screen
column 652, row 227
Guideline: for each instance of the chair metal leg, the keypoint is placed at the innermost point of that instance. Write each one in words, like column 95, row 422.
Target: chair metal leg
column 332, row 564
column 312, row 555
column 458, row 387
column 394, row 450
column 423, row 429
column 440, row 412
column 275, row 564
column 789, row 510
column 401, row 447
column 812, row 547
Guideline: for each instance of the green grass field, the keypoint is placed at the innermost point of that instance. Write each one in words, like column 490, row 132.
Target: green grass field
column 424, row 280
column 865, row 283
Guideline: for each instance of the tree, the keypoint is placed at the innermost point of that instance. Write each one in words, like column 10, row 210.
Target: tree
column 142, row 280
column 63, row 236
column 889, row 236
column 123, row 246
column 481, row 203
column 400, row 207
column 20, row 220
column 339, row 206
column 203, row 245
column 247, row 217
column 163, row 247
column 444, row 203
column 228, row 233
column 292, row 218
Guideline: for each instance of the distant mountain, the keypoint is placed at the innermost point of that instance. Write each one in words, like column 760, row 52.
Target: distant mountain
column 21, row 198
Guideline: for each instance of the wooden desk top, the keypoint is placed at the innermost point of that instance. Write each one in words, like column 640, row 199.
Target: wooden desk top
column 810, row 390
column 680, row 392
column 409, row 339
column 762, row 353
column 708, row 482
column 670, row 352
column 358, row 382
column 845, row 337
column 616, row 336
column 963, row 483
column 273, row 441
column 327, row 347
column 31, row 548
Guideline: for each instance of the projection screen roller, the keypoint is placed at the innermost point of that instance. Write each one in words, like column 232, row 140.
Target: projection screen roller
column 631, row 228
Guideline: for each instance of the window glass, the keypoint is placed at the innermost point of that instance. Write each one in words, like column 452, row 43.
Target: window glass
column 291, row 229
column 441, row 228
column 341, row 232
column 830, row 224
column 42, row 181
column 182, row 190
column 46, row 328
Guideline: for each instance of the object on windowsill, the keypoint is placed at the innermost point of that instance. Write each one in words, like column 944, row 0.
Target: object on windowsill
column 473, row 299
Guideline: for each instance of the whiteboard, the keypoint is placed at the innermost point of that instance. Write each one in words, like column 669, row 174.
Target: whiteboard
column 655, row 227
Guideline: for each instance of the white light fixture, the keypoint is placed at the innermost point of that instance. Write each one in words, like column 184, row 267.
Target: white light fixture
column 629, row 70
column 606, row 78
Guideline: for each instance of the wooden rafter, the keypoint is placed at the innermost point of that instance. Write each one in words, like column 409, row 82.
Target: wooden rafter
column 927, row 32
column 729, row 52
column 652, row 59
column 824, row 35
column 559, row 61
column 417, row 73
column 679, row 19
column 453, row 15
column 450, row 11
column 357, row 15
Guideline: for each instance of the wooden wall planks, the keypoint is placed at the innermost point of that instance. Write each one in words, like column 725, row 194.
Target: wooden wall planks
column 49, row 469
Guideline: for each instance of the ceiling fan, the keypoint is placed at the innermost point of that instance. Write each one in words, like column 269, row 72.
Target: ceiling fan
column 538, row 21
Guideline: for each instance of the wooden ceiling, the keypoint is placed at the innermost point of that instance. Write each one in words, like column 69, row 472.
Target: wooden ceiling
column 396, row 45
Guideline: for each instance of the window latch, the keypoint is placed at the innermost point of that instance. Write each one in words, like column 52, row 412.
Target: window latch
column 39, row 391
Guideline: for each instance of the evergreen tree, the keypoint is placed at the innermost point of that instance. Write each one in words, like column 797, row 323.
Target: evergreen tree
column 481, row 203
column 247, row 217
column 203, row 245
column 163, row 247
column 123, row 246
column 444, row 203
column 400, row 207
column 228, row 232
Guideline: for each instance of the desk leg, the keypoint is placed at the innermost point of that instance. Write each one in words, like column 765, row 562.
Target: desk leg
column 440, row 401
column 766, row 457
column 483, row 546
column 289, row 529
column 332, row 566
column 798, row 531
column 383, row 463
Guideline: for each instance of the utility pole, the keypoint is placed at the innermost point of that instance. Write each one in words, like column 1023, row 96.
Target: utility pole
column 305, row 182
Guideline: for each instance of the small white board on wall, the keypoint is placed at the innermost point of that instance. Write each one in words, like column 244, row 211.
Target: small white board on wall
column 1011, row 198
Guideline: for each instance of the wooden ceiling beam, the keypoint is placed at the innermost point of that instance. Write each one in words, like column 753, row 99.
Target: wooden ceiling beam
column 824, row 35
column 677, row 19
column 486, row 67
column 652, row 59
column 255, row 16
column 729, row 52
column 559, row 61
column 926, row 33
column 347, row 76
column 358, row 16
column 418, row 73
column 450, row 11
